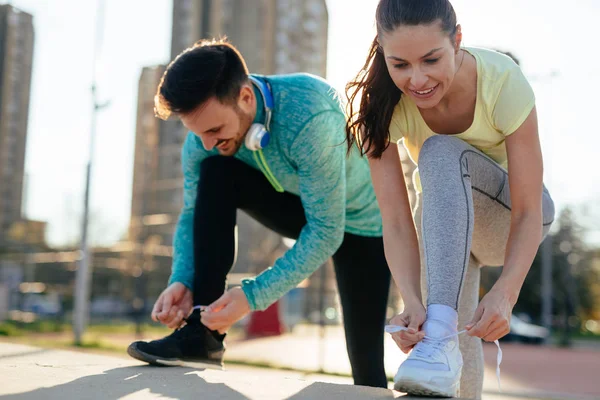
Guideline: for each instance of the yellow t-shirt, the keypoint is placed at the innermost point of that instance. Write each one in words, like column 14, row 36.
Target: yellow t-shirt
column 504, row 100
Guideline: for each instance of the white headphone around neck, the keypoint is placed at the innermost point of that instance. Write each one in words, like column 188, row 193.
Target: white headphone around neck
column 258, row 135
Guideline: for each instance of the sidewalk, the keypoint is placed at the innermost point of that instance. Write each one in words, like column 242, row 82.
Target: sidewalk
column 527, row 371
column 35, row 373
column 30, row 373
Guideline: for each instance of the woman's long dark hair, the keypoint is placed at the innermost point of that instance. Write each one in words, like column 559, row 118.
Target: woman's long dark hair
column 369, row 126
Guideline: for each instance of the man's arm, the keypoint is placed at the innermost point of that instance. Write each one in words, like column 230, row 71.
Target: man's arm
column 182, row 270
column 319, row 152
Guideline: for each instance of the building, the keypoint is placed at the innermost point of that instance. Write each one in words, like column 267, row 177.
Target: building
column 157, row 193
column 275, row 36
column 16, row 57
column 157, row 186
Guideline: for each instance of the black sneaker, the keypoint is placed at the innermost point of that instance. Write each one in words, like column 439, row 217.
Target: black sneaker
column 193, row 345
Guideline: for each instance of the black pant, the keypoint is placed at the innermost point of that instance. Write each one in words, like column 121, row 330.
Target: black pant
column 363, row 278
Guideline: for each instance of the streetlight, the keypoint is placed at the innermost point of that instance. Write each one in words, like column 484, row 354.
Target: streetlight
column 83, row 275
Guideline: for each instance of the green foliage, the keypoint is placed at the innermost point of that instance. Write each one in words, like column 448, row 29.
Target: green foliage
column 576, row 285
column 9, row 329
column 16, row 328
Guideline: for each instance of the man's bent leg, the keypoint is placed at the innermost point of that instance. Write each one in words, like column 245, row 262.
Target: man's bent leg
column 226, row 185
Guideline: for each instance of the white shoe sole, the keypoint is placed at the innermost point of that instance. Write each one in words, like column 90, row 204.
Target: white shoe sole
column 423, row 389
column 416, row 383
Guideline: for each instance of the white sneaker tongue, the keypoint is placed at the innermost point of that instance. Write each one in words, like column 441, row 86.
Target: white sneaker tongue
column 435, row 329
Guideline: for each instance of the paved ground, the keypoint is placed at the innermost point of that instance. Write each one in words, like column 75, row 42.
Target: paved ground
column 35, row 373
column 527, row 371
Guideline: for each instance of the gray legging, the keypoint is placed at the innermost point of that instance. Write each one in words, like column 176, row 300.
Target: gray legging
column 463, row 218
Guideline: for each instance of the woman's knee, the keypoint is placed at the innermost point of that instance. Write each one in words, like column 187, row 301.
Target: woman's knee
column 440, row 147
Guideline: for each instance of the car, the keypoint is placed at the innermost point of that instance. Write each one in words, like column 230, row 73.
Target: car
column 525, row 332
column 44, row 305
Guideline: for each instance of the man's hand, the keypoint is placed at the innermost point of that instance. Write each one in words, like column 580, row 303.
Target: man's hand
column 173, row 305
column 492, row 317
column 226, row 311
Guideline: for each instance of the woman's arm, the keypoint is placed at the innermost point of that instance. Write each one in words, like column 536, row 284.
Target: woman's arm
column 525, row 174
column 399, row 233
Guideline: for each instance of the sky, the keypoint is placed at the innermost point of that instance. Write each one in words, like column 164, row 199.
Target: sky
column 553, row 42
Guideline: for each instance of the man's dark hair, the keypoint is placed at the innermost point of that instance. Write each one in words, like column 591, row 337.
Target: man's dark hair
column 209, row 68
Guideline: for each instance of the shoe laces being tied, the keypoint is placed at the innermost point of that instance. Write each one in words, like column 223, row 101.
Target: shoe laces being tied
column 189, row 320
column 436, row 348
column 430, row 349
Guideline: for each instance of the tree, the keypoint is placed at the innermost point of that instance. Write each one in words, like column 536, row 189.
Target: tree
column 573, row 278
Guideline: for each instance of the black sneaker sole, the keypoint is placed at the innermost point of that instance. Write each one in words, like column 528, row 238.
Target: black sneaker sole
column 136, row 353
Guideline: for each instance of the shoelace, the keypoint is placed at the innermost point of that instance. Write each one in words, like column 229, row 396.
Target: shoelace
column 395, row 328
column 184, row 321
column 433, row 349
column 179, row 330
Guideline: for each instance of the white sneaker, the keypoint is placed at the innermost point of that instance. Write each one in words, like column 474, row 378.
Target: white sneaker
column 432, row 369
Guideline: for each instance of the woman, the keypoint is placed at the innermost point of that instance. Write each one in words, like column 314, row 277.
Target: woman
column 467, row 118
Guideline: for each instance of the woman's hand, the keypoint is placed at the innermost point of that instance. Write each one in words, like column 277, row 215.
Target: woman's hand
column 412, row 318
column 492, row 317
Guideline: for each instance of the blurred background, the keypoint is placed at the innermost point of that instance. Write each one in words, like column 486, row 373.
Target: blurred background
column 91, row 183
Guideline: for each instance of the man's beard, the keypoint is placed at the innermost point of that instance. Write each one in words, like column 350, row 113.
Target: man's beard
column 232, row 148
column 245, row 122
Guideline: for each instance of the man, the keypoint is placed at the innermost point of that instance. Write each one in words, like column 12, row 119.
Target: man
column 301, row 183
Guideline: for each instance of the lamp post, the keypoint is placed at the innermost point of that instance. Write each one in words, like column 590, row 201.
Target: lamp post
column 83, row 275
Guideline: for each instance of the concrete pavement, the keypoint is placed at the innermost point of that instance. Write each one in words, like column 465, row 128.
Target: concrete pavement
column 35, row 373
column 527, row 371
column 29, row 373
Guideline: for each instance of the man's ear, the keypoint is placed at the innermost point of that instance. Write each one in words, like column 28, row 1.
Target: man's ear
column 246, row 100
